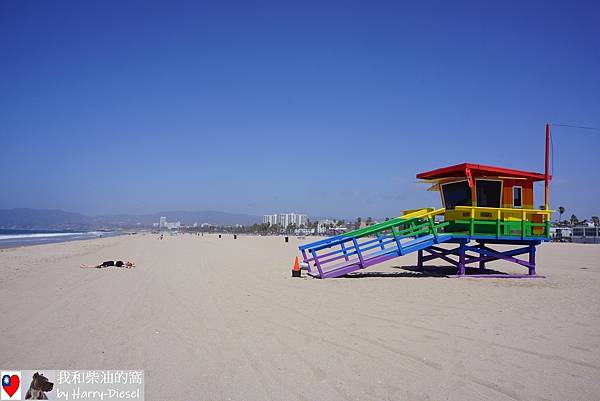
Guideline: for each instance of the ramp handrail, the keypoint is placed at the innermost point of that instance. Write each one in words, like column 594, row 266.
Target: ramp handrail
column 406, row 219
column 392, row 238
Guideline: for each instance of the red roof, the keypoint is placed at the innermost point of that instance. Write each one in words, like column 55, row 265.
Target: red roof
column 479, row 170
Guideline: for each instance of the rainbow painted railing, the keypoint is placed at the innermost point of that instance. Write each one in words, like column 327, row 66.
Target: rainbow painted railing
column 500, row 222
column 342, row 254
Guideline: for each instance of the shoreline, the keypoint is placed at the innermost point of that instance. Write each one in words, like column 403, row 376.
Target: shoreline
column 42, row 238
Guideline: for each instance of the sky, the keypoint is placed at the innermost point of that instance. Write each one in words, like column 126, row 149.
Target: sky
column 325, row 108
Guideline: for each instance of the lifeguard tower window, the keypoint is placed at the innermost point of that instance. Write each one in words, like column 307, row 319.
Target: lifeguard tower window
column 517, row 197
column 456, row 194
column 489, row 193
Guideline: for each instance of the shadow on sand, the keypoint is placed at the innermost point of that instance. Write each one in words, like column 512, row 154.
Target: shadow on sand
column 426, row 271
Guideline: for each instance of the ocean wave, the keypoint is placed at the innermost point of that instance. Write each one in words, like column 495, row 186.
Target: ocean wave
column 48, row 235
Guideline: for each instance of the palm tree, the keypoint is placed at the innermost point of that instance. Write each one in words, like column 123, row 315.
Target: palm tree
column 574, row 220
column 369, row 221
column 561, row 210
column 358, row 221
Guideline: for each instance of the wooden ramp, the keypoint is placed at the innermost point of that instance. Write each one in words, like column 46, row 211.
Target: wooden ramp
column 359, row 249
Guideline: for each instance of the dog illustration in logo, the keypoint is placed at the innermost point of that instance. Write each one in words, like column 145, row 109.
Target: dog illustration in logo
column 39, row 385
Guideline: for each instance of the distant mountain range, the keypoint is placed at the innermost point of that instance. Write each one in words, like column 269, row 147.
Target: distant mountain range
column 58, row 219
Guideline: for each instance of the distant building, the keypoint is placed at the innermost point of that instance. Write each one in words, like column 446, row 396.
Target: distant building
column 173, row 226
column 299, row 219
column 270, row 219
column 165, row 225
column 285, row 219
column 324, row 225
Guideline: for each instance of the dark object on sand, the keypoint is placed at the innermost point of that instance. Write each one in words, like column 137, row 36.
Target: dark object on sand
column 119, row 263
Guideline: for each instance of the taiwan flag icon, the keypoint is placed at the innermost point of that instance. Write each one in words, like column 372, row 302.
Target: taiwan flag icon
column 11, row 385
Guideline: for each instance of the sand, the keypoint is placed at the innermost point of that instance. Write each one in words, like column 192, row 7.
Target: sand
column 221, row 319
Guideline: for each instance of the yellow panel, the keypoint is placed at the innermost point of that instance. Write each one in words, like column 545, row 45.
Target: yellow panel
column 506, row 214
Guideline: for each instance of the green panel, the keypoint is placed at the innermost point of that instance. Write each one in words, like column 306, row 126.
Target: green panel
column 494, row 227
column 511, row 228
column 457, row 226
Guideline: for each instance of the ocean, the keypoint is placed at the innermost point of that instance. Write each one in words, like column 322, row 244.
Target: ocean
column 10, row 238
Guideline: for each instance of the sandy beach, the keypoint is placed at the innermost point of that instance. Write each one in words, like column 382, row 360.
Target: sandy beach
column 221, row 319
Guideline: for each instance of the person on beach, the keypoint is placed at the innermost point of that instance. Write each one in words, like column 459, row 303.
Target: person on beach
column 119, row 263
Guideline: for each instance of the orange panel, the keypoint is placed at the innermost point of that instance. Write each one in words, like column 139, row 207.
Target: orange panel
column 528, row 195
column 507, row 195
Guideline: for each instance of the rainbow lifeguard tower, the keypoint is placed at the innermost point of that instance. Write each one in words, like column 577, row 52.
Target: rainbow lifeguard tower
column 483, row 207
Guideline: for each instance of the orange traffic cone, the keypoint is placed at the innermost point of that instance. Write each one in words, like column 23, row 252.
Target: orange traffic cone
column 296, row 268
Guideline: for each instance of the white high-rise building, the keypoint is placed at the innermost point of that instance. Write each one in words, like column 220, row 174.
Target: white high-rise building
column 300, row 219
column 324, row 225
column 285, row 219
column 270, row 219
column 163, row 222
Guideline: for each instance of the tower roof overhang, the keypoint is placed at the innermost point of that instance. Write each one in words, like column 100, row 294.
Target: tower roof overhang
column 471, row 170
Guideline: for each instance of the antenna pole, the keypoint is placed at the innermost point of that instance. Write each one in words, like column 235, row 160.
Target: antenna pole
column 547, row 173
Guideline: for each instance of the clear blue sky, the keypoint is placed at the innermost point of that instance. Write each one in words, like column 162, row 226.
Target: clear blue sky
column 328, row 108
